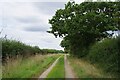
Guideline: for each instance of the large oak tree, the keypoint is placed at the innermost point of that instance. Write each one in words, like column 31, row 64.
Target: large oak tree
column 83, row 24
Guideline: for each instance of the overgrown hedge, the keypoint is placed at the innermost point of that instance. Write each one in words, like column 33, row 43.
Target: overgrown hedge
column 14, row 49
column 106, row 54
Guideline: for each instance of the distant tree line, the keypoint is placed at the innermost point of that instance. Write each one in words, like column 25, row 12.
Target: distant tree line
column 52, row 51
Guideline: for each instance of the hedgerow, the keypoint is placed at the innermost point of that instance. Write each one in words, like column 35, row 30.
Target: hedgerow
column 106, row 54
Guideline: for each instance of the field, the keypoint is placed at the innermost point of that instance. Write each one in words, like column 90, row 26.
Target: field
column 27, row 68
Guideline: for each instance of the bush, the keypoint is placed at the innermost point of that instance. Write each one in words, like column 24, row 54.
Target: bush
column 106, row 54
column 12, row 48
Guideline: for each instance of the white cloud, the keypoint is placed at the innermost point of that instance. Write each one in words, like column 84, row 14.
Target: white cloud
column 27, row 21
column 41, row 39
column 24, row 22
column 39, row 0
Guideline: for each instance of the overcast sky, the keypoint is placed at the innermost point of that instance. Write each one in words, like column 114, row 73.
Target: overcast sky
column 27, row 21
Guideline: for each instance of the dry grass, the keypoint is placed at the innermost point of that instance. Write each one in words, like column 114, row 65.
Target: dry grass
column 0, row 69
column 84, row 69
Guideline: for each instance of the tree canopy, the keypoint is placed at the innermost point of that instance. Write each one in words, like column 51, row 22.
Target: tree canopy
column 83, row 24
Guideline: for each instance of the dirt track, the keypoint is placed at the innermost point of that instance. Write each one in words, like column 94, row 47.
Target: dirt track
column 68, row 70
column 45, row 73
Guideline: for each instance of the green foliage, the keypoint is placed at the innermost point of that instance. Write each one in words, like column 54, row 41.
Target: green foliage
column 65, row 44
column 13, row 49
column 83, row 24
column 106, row 54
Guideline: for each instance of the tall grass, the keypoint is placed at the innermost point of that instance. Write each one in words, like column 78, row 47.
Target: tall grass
column 83, row 69
column 27, row 68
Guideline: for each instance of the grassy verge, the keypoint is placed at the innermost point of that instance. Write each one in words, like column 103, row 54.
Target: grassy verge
column 84, row 69
column 27, row 68
column 58, row 70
